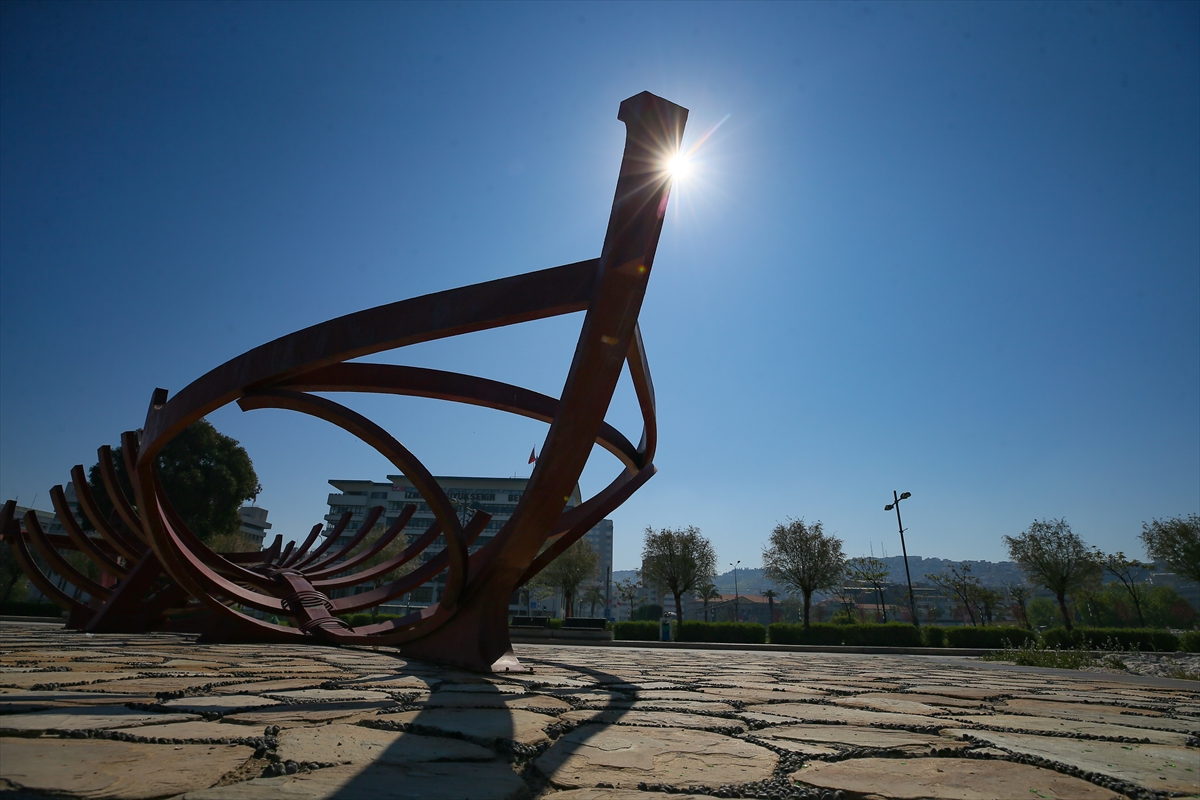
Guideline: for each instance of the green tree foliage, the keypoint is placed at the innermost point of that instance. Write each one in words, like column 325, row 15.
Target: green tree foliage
column 1018, row 597
column 872, row 572
column 565, row 574
column 627, row 593
column 706, row 594
column 12, row 579
column 1175, row 543
column 1128, row 572
column 678, row 561
column 594, row 596
column 205, row 474
column 650, row 612
column 1043, row 612
column 1055, row 558
column 1111, row 607
column 804, row 558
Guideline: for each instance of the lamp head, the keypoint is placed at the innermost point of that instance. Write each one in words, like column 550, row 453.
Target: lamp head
column 905, row 495
column 888, row 507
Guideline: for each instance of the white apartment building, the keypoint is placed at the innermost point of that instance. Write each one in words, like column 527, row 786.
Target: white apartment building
column 497, row 496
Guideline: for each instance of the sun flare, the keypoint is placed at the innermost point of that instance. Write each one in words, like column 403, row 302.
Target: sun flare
column 678, row 166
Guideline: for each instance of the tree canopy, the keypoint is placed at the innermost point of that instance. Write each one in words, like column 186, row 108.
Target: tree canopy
column 874, row 573
column 205, row 474
column 575, row 565
column 804, row 558
column 1055, row 558
column 1175, row 543
column 678, row 561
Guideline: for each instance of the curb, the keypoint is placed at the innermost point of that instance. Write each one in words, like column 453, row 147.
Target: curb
column 773, row 648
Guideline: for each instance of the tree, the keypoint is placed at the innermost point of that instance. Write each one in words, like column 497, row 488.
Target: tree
column 960, row 585
column 873, row 572
column 1018, row 595
column 575, row 565
column 705, row 594
column 1055, row 558
column 594, row 596
column 770, row 594
column 1127, row 571
column 1176, row 543
column 803, row 558
column 677, row 561
column 205, row 474
column 627, row 593
column 12, row 577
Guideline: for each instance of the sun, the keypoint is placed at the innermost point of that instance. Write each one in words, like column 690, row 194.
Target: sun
column 678, row 166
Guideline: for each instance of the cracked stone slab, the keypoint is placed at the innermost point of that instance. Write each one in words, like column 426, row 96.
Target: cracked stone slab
column 848, row 736
column 624, row 756
column 194, row 731
column 86, row 718
column 813, row 712
column 314, row 713
column 155, row 685
column 961, row 692
column 1071, row 726
column 652, row 719
column 932, row 700
column 480, row 725
column 222, row 704
column 1088, row 712
column 421, row 781
column 534, row 702
column 353, row 744
column 392, row 682
column 711, row 706
column 494, row 688
column 890, row 703
column 327, row 695
column 16, row 701
column 783, row 694
column 28, row 680
column 946, row 779
column 1157, row 767
column 102, row 769
column 258, row 687
column 619, row 794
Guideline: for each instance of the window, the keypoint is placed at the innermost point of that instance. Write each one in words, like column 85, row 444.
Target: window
column 394, row 505
column 378, row 495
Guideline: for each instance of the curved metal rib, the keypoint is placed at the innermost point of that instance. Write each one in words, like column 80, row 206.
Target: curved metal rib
column 130, row 550
column 11, row 528
column 373, row 515
column 82, row 541
column 383, row 541
column 333, row 536
column 33, row 530
column 108, row 474
column 299, row 554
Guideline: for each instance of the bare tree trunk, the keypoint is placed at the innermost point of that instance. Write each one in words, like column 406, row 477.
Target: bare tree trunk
column 1062, row 606
column 807, row 604
column 679, row 607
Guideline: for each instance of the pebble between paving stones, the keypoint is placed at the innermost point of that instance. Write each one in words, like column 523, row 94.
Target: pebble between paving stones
column 588, row 724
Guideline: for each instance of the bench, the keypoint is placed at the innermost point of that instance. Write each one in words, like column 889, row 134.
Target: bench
column 584, row 623
column 529, row 622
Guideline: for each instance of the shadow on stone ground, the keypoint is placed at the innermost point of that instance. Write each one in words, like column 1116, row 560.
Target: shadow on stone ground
column 154, row 716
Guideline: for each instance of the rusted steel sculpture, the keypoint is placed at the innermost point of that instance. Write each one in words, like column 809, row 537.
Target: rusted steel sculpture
column 163, row 576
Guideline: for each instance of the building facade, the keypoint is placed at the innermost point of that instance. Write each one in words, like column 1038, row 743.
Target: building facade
column 496, row 496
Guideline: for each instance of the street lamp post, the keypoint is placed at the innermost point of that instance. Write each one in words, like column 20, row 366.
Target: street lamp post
column 912, row 604
column 737, row 617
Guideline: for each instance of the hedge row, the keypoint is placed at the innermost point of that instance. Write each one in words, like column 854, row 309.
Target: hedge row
column 990, row 636
column 1144, row 639
column 1190, row 642
column 16, row 608
column 637, row 630
column 734, row 632
column 891, row 634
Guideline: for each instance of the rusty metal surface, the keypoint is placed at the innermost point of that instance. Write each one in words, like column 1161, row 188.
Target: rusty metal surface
column 166, row 576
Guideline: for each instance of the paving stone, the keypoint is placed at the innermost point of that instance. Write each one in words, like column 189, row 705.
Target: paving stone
column 1158, row 767
column 256, row 687
column 930, row 699
column 12, row 702
column 156, row 685
column 480, row 725
column 489, row 700
column 28, row 680
column 397, row 683
column 86, row 719
column 618, row 794
column 949, row 778
column 966, row 693
column 443, row 781
column 756, row 696
column 899, row 705
column 849, row 736
column 353, row 744
column 712, row 706
column 1064, row 726
column 494, row 688
column 103, row 769
column 194, row 731
column 309, row 713
column 1115, row 715
column 652, row 719
column 624, row 756
column 814, row 712
column 222, row 704
column 327, row 695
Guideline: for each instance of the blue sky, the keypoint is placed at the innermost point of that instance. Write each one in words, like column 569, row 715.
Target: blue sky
column 952, row 249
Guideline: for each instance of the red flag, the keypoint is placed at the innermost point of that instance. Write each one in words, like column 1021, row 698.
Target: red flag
column 533, row 455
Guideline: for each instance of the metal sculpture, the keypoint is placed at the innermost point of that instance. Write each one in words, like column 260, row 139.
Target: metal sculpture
column 162, row 575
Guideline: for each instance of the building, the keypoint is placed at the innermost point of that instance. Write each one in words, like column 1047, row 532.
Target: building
column 254, row 523
column 496, row 496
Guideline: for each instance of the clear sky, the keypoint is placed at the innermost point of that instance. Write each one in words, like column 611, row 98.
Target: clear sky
column 951, row 249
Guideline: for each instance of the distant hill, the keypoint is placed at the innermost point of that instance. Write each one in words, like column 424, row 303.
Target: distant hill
column 753, row 581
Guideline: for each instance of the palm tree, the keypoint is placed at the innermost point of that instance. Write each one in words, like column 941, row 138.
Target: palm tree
column 706, row 593
column 592, row 595
column 770, row 594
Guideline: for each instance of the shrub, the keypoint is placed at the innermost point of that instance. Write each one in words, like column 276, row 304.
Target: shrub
column 823, row 633
column 737, row 632
column 890, row 634
column 554, row 624
column 1147, row 639
column 933, row 636
column 648, row 613
column 990, row 637
column 358, row 619
column 1190, row 642
column 23, row 609
column 636, row 630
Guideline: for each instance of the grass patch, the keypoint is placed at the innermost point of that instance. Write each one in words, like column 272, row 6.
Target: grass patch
column 1029, row 655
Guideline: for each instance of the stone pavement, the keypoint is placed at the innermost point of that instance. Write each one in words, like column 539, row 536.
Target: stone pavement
column 151, row 716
